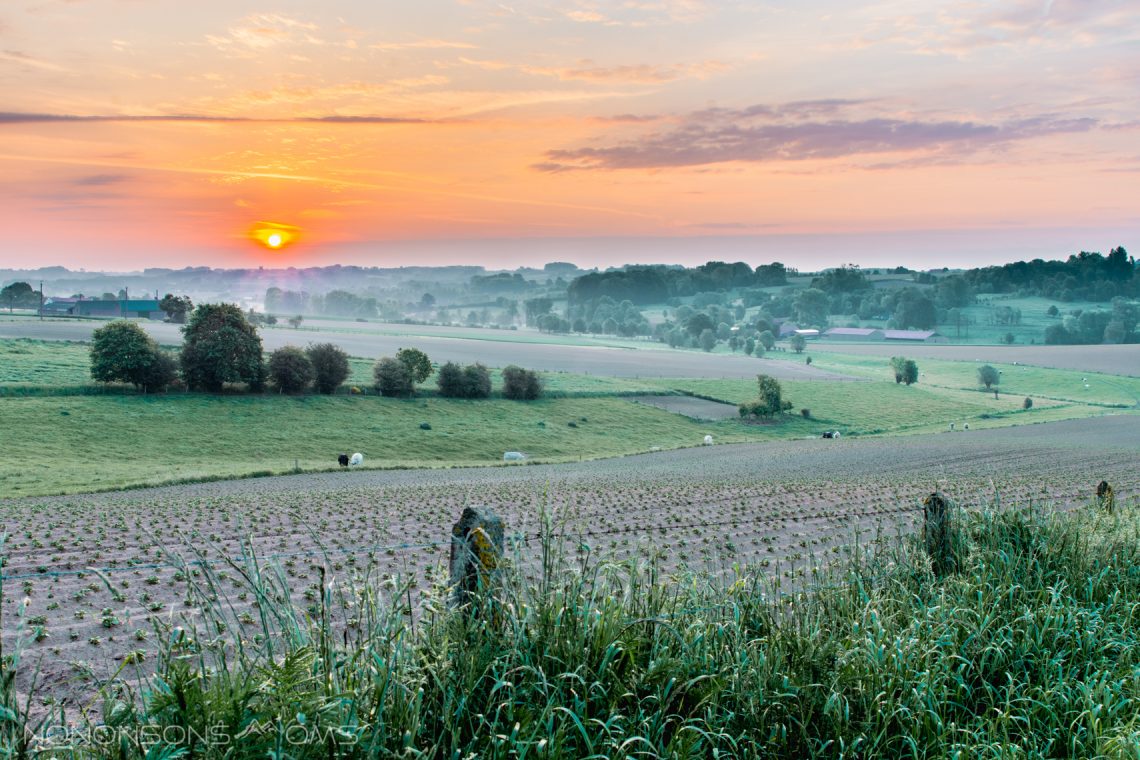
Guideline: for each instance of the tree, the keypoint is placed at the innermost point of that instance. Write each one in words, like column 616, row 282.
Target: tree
column 910, row 372
column 1053, row 311
column 392, row 377
column 19, row 294
column 427, row 301
column 330, row 366
column 121, row 351
column 770, row 401
column 767, row 340
column 219, row 347
column 698, row 323
column 417, row 362
column 176, row 307
column 290, row 370
column 811, row 307
column 707, row 340
column 521, row 384
column 749, row 346
column 798, row 343
column 295, row 321
column 898, row 364
column 988, row 376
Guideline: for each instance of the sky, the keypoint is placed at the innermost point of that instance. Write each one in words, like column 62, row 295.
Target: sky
column 144, row 133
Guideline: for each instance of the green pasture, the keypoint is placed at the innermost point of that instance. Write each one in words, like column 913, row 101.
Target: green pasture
column 87, row 443
column 64, row 433
column 1040, row 383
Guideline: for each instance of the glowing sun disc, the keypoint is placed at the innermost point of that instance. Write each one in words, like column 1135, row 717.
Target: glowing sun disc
column 273, row 235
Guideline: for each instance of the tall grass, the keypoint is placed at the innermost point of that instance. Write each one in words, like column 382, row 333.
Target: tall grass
column 1031, row 650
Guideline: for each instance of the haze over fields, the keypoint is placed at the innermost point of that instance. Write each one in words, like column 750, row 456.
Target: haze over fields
column 237, row 134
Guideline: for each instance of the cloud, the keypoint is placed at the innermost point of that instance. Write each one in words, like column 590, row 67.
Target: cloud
column 101, row 180
column 424, row 45
column 642, row 73
column 23, row 59
column 796, row 133
column 10, row 117
column 260, row 31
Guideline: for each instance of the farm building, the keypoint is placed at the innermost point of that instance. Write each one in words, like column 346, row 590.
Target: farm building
column 808, row 333
column 914, row 336
column 131, row 309
column 854, row 333
column 60, row 307
column 785, row 328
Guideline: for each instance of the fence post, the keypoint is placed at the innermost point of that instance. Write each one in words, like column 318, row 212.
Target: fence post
column 937, row 534
column 1105, row 496
column 476, row 554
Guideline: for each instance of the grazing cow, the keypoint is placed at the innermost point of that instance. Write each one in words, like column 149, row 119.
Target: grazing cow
column 342, row 460
column 708, row 440
column 828, row 434
column 357, row 459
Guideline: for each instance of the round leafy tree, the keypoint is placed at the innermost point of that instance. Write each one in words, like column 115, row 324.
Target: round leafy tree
column 330, row 364
column 417, row 362
column 290, row 370
column 220, row 346
column 521, row 384
column 121, row 351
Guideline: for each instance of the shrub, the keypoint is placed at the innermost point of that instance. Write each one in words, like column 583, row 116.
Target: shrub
column 767, row 340
column 798, row 342
column 425, row 426
column 451, row 380
column 290, row 370
column 392, row 377
column 707, row 340
column 476, row 381
column 805, row 413
column 988, row 376
column 1027, row 403
column 330, row 366
column 770, row 401
column 221, row 346
column 121, row 351
column 521, row 384
column 472, row 381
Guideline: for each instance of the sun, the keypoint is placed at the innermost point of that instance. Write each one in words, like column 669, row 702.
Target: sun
column 274, row 235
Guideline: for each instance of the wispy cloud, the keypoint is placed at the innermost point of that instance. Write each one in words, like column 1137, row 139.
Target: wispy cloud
column 23, row 59
column 10, row 117
column 101, row 180
column 424, row 45
column 260, row 31
column 641, row 73
column 795, row 133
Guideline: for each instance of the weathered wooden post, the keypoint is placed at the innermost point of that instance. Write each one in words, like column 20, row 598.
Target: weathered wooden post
column 937, row 534
column 1105, row 496
column 476, row 555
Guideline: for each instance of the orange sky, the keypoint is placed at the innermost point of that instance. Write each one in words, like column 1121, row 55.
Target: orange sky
column 159, row 133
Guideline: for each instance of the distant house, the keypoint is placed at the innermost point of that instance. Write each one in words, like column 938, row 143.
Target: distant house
column 785, row 328
column 914, row 336
column 854, row 333
column 126, row 308
column 60, row 307
column 807, row 333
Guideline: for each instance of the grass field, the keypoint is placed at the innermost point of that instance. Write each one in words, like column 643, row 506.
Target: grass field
column 54, row 414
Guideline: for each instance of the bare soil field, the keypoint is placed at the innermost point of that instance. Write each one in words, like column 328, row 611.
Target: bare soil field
column 650, row 361
column 1113, row 360
column 782, row 505
column 690, row 406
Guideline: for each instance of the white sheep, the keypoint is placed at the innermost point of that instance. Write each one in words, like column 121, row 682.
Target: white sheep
column 708, row 440
column 513, row 456
column 357, row 460
column 965, row 425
